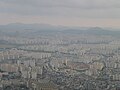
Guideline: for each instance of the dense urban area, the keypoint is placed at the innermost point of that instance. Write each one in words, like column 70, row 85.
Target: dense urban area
column 64, row 59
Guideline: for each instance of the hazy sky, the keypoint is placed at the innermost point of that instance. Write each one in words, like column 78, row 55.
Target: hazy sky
column 105, row 13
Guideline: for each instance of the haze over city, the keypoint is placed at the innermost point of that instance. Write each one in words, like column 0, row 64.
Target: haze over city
column 59, row 44
column 83, row 13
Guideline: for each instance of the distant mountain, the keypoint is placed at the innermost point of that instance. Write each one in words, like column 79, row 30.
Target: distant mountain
column 33, row 29
column 23, row 27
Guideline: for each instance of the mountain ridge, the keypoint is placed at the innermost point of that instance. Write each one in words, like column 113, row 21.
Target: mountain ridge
column 47, row 28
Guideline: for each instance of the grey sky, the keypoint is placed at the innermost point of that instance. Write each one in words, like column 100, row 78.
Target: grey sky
column 45, row 11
